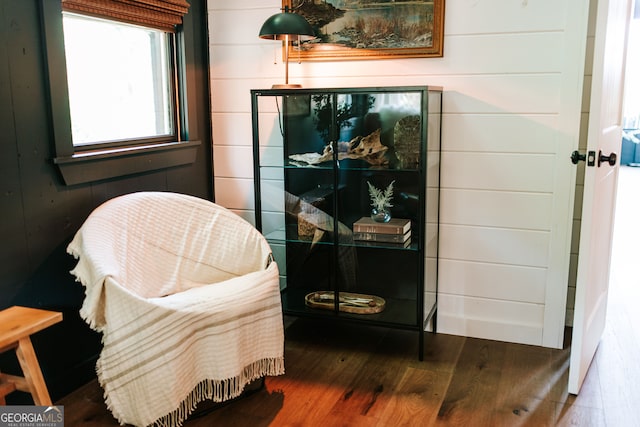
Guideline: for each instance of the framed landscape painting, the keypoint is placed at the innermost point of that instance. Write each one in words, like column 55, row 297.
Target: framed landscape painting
column 369, row 29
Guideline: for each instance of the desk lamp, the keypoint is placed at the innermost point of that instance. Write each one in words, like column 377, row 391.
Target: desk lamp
column 284, row 26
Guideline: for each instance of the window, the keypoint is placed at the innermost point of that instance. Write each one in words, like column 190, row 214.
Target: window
column 119, row 78
column 119, row 86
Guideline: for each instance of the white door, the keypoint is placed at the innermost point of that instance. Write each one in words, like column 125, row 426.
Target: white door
column 600, row 184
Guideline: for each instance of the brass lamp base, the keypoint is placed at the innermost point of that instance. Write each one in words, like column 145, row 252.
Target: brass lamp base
column 286, row 86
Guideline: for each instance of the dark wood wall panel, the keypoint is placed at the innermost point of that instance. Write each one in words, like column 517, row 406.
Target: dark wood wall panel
column 14, row 261
column 40, row 214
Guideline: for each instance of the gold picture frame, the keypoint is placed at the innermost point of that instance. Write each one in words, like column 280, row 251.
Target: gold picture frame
column 369, row 29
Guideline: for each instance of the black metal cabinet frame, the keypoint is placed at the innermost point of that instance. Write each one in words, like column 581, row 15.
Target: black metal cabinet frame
column 318, row 155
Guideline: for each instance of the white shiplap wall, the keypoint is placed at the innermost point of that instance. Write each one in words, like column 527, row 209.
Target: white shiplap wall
column 512, row 72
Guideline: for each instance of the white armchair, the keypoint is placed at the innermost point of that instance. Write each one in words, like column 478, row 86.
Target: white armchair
column 186, row 296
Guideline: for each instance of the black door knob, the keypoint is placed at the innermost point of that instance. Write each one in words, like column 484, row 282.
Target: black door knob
column 611, row 158
column 576, row 157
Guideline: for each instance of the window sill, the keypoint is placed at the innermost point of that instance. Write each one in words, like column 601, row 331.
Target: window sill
column 90, row 166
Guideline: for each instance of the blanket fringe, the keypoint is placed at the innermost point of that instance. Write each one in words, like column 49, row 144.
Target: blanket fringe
column 220, row 390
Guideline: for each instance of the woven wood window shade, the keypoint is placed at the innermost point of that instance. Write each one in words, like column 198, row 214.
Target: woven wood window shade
column 160, row 14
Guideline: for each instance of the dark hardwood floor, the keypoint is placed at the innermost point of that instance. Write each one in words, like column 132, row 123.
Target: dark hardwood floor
column 364, row 376
column 339, row 375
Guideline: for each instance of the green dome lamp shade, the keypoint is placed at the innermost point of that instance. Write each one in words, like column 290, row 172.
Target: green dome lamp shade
column 284, row 26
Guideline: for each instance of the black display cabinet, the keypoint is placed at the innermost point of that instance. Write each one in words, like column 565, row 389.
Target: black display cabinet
column 347, row 194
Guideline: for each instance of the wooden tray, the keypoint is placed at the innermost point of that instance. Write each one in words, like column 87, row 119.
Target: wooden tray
column 349, row 302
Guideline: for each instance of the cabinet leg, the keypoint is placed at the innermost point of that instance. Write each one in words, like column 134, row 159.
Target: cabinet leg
column 435, row 321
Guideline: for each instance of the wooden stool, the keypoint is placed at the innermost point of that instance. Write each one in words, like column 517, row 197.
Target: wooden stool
column 17, row 324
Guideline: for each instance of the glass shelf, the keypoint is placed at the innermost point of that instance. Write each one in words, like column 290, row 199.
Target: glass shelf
column 280, row 237
column 342, row 165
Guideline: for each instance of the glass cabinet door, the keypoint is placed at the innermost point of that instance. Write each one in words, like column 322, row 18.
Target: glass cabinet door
column 380, row 167
column 296, row 195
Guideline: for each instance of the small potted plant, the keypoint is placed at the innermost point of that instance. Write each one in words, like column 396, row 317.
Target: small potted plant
column 381, row 202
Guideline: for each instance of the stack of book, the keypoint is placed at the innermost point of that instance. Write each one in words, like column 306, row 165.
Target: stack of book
column 396, row 231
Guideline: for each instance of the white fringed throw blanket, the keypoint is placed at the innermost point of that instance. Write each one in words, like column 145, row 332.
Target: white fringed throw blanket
column 188, row 309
